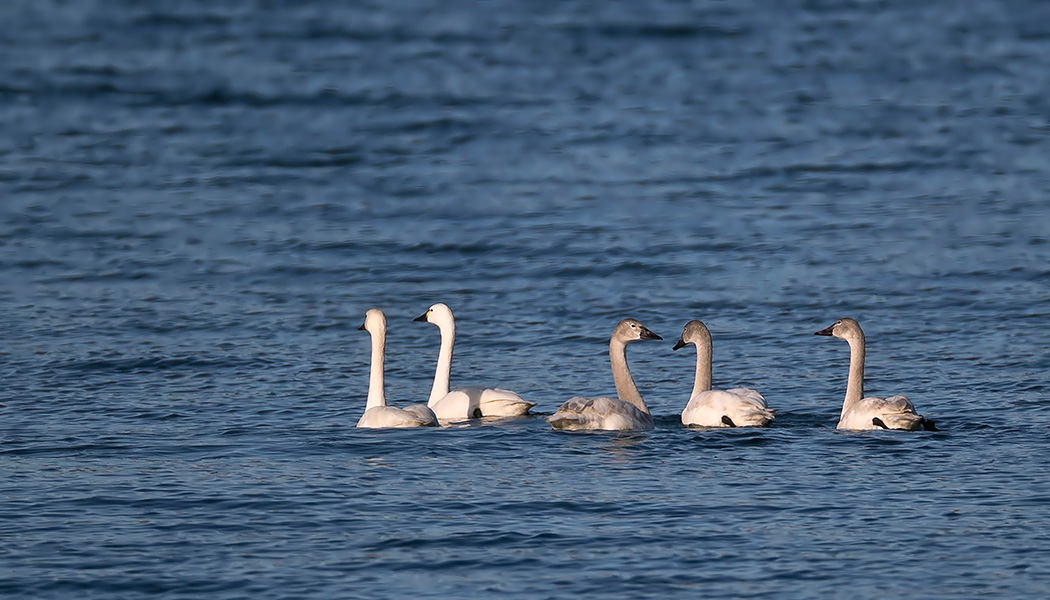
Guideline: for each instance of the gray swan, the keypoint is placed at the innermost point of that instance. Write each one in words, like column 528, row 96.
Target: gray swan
column 628, row 410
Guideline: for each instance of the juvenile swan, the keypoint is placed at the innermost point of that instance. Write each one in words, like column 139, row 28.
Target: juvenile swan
column 626, row 411
column 858, row 412
column 467, row 402
column 377, row 413
column 736, row 407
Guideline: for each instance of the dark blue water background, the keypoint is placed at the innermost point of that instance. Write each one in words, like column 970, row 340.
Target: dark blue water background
column 200, row 199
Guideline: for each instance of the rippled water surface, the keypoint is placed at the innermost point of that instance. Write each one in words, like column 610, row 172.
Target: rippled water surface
column 199, row 201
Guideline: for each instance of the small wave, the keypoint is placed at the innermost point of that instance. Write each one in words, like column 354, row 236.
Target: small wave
column 145, row 364
column 660, row 30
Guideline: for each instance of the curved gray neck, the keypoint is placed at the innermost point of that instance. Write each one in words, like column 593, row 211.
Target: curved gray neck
column 376, row 394
column 702, row 382
column 626, row 390
column 855, row 384
column 444, row 365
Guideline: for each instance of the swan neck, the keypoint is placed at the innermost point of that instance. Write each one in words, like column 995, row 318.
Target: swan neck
column 376, row 393
column 626, row 390
column 855, row 384
column 702, row 381
column 444, row 364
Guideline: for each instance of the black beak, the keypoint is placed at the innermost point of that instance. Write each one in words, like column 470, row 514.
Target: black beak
column 422, row 317
column 648, row 335
column 362, row 327
column 824, row 331
column 678, row 344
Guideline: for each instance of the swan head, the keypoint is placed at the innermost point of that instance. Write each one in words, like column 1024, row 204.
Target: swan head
column 845, row 329
column 694, row 332
column 631, row 330
column 439, row 314
column 375, row 321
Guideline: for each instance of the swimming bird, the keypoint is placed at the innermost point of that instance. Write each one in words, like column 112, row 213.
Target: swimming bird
column 736, row 407
column 377, row 413
column 625, row 412
column 858, row 412
column 465, row 402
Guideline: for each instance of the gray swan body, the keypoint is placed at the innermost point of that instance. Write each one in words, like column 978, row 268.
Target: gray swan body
column 377, row 414
column 628, row 410
column 871, row 412
column 735, row 407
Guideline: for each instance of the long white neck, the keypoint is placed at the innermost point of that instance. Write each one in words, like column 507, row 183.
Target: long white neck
column 855, row 384
column 626, row 390
column 444, row 364
column 702, row 382
column 376, row 394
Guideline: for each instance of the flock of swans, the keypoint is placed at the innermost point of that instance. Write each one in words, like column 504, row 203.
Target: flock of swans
column 735, row 407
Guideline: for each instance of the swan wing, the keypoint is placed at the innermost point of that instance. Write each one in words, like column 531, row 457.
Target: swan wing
column 750, row 396
column 895, row 412
column 894, row 404
column 495, row 402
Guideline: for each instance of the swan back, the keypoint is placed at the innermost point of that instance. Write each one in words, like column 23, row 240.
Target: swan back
column 389, row 416
column 735, row 407
column 604, row 413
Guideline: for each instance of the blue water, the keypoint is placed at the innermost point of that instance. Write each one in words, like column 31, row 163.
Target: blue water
column 199, row 200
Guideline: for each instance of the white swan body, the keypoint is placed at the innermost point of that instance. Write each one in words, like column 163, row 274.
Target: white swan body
column 389, row 416
column 736, row 407
column 468, row 402
column 859, row 412
column 628, row 410
column 377, row 413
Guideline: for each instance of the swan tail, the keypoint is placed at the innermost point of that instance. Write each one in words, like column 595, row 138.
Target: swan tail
column 905, row 422
column 756, row 417
column 506, row 407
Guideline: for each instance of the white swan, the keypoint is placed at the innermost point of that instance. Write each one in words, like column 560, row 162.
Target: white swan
column 625, row 412
column 467, row 402
column 377, row 413
column 736, row 407
column 858, row 412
